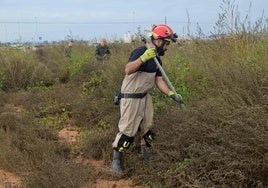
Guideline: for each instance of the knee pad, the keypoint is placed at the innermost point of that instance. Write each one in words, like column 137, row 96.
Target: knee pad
column 124, row 143
column 148, row 138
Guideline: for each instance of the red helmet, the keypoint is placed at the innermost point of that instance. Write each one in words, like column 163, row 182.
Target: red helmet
column 163, row 31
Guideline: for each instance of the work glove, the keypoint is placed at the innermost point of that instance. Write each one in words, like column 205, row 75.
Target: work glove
column 148, row 54
column 172, row 95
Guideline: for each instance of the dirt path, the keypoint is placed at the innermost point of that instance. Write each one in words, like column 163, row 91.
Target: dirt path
column 8, row 179
column 70, row 135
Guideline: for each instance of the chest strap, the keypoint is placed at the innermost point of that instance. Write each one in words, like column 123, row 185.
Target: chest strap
column 133, row 95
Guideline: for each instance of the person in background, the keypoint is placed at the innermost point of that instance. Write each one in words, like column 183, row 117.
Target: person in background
column 136, row 107
column 68, row 49
column 102, row 51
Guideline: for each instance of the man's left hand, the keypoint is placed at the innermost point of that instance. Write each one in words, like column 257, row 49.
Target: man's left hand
column 172, row 95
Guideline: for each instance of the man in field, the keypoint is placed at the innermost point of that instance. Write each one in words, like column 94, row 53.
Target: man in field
column 102, row 51
column 68, row 49
column 136, row 108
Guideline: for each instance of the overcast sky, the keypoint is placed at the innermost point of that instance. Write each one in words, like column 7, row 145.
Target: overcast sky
column 32, row 20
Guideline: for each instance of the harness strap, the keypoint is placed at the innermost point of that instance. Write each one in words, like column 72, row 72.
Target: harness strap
column 133, row 95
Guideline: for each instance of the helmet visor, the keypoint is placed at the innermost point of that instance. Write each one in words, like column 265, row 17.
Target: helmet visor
column 174, row 37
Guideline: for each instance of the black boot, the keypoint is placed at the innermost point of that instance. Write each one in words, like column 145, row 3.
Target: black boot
column 117, row 162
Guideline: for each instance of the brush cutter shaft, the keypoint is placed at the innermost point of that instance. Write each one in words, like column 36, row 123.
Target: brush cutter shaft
column 182, row 106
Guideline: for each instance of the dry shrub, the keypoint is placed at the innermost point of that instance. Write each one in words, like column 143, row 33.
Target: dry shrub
column 56, row 172
column 209, row 145
column 22, row 68
column 216, row 68
column 98, row 144
column 31, row 150
column 42, row 76
column 53, row 59
column 17, row 67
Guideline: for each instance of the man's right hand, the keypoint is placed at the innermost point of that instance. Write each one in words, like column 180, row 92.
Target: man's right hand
column 148, row 54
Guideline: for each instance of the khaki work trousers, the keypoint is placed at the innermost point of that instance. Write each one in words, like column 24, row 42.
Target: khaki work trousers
column 135, row 114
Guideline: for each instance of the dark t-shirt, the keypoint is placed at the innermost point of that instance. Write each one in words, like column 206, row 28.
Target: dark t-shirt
column 150, row 66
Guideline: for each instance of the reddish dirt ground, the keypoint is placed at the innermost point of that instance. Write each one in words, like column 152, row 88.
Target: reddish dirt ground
column 69, row 135
column 8, row 179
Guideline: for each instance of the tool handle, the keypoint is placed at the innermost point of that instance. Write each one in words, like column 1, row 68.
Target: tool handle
column 182, row 106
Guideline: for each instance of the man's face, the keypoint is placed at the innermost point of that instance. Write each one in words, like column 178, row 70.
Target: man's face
column 71, row 44
column 102, row 42
column 166, row 44
column 162, row 46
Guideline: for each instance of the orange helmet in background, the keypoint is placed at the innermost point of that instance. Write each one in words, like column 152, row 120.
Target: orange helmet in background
column 163, row 31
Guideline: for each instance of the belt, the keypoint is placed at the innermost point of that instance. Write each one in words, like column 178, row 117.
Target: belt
column 133, row 95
